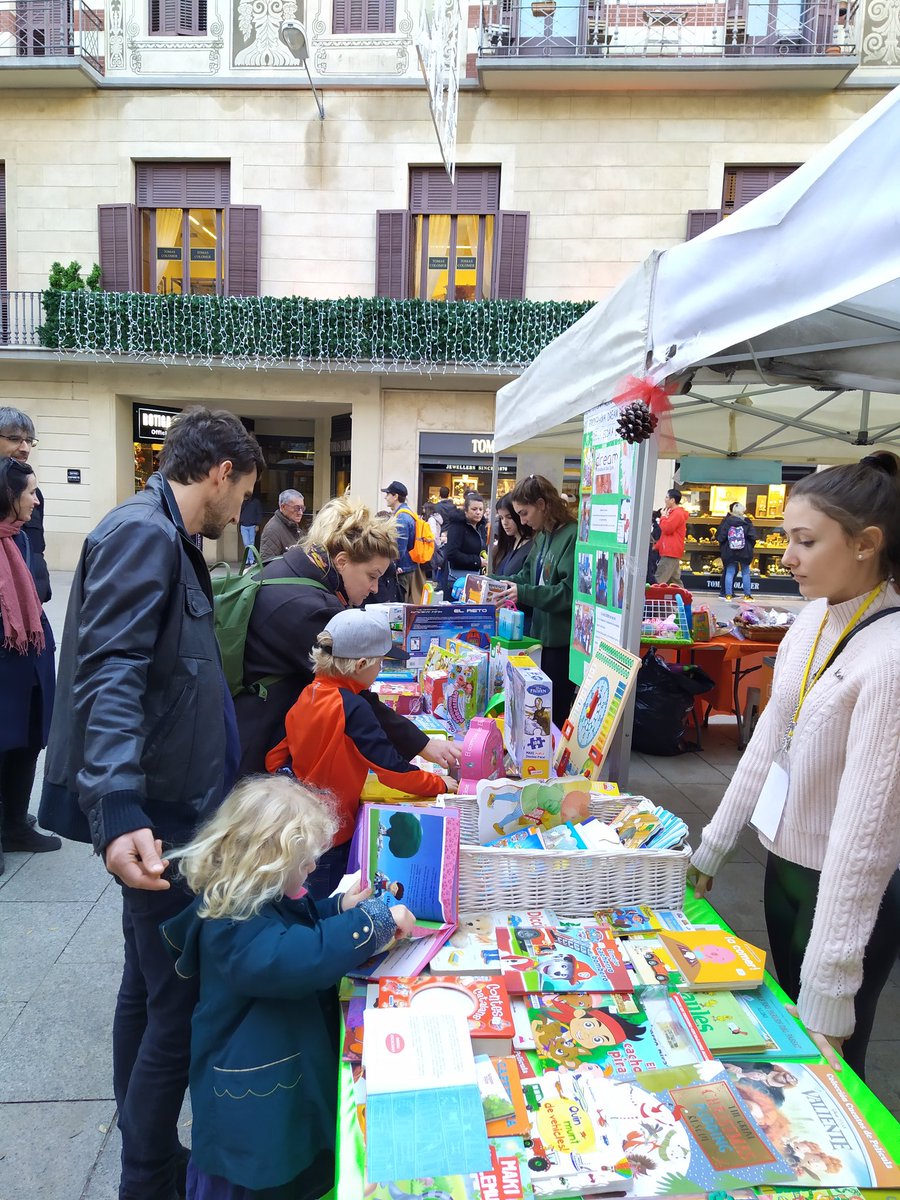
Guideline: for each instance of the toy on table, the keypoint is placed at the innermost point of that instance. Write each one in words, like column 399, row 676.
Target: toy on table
column 527, row 725
column 586, row 733
column 482, row 755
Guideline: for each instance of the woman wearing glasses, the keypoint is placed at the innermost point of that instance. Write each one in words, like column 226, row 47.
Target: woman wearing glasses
column 17, row 440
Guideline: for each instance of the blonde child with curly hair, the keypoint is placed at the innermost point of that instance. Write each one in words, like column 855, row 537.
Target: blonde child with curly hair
column 264, row 1044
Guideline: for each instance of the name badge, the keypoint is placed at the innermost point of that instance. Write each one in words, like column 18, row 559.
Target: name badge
column 766, row 818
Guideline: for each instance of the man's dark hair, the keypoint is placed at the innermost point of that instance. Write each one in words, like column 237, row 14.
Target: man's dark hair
column 675, row 494
column 199, row 439
column 445, row 493
column 13, row 481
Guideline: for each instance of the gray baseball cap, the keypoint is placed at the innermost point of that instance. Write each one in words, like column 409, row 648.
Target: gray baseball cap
column 356, row 633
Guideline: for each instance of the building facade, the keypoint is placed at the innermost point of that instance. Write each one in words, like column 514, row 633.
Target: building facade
column 180, row 147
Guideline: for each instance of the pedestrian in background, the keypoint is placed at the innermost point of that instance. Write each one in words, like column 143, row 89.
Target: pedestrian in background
column 673, row 526
column 410, row 575
column 17, row 439
column 467, row 539
column 736, row 537
column 282, row 531
column 250, row 520
column 146, row 747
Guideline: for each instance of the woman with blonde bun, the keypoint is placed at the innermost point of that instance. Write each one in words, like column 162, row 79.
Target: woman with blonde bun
column 827, row 748
column 337, row 565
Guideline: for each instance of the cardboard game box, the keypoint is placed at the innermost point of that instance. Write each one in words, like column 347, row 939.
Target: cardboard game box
column 527, row 727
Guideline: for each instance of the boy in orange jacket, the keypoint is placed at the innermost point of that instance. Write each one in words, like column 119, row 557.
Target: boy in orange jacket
column 334, row 738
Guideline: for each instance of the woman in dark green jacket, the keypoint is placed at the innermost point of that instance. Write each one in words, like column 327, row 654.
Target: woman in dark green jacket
column 545, row 583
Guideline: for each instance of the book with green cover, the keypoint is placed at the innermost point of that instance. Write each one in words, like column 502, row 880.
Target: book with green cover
column 723, row 1022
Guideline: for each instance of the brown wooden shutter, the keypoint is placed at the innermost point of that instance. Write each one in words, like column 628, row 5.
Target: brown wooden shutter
column 339, row 16
column 242, row 249
column 183, row 185
column 701, row 219
column 392, row 253
column 510, row 256
column 356, row 16
column 743, row 184
column 118, row 233
column 3, row 227
column 475, row 190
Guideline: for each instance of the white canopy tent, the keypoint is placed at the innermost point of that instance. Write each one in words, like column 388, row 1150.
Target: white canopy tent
column 782, row 322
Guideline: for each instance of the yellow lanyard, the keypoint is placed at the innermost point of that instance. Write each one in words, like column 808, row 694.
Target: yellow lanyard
column 807, row 684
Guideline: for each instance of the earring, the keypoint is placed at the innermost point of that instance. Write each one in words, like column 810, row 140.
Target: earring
column 859, row 556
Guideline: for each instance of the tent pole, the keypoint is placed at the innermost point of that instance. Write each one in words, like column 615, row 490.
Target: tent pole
column 492, row 533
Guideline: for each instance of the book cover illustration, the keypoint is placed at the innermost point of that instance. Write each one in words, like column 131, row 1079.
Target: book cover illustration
column 517, row 1123
column 508, row 805
column 472, row 947
column 404, row 958
column 568, row 958
column 710, row 958
column 723, row 1022
column 805, row 1112
column 633, row 919
column 608, row 679
column 507, row 1179
column 411, row 856
column 482, row 1000
column 619, row 1036
column 651, row 962
column 786, row 1036
column 351, row 1051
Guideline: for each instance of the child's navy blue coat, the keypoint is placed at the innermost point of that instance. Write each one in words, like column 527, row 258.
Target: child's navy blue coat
column 264, row 1042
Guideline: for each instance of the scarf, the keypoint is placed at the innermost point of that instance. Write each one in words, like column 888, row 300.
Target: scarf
column 20, row 607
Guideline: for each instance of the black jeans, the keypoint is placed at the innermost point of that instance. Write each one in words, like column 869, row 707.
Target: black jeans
column 555, row 663
column 151, row 1046
column 790, row 902
column 17, row 768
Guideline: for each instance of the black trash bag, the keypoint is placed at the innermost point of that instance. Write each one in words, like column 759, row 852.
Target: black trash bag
column 663, row 702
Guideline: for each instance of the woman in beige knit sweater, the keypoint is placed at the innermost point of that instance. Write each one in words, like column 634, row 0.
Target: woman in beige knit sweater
column 827, row 749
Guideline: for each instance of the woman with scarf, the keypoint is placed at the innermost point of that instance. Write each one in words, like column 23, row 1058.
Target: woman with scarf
column 337, row 565
column 27, row 675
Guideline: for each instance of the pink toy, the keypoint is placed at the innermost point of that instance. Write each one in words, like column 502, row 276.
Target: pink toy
column 482, row 754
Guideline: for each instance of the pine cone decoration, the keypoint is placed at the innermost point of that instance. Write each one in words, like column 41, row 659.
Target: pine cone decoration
column 636, row 422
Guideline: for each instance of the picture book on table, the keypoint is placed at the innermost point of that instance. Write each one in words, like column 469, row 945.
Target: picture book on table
column 482, row 1000
column 786, row 1036
column 567, row 958
column 714, row 958
column 803, row 1109
column 472, row 947
column 633, row 919
column 507, row 1179
column 515, row 1124
column 619, row 1035
column 508, row 805
column 405, row 958
column 651, row 963
column 723, row 1022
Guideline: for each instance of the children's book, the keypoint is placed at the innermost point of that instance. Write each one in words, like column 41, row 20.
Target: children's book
column 508, row 805
column 472, row 947
column 481, row 1000
column 354, row 1008
column 617, row 1034
column 507, row 1179
column 522, row 839
column 411, row 856
column 723, row 1022
column 568, row 958
column 515, row 1124
column 805, row 1111
column 495, row 1099
column 787, row 1037
column 710, row 959
column 405, row 958
column 423, row 1107
column 572, row 1149
column 636, row 828
column 560, row 837
column 634, row 919
column 651, row 962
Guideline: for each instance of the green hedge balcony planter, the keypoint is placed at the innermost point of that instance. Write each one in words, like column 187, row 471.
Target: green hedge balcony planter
column 263, row 331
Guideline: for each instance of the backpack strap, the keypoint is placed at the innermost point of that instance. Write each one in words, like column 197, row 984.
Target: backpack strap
column 842, row 644
column 261, row 686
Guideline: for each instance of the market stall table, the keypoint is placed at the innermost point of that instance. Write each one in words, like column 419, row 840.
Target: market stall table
column 350, row 1151
column 724, row 658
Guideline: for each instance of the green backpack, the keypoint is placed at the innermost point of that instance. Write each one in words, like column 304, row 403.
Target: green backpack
column 234, row 596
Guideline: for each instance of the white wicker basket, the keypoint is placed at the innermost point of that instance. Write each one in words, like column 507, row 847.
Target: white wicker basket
column 576, row 884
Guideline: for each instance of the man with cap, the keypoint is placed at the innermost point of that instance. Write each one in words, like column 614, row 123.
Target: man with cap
column 334, row 738
column 410, row 575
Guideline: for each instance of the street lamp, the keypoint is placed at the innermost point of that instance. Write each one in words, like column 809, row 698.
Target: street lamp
column 293, row 35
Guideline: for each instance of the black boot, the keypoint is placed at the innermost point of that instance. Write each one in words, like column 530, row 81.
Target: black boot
column 23, row 839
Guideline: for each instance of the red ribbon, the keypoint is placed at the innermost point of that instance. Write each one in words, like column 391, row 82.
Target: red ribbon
column 655, row 396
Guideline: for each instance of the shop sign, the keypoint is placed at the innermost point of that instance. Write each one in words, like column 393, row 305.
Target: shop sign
column 456, row 445
column 152, row 424
column 203, row 254
column 169, row 252
column 437, row 262
column 465, row 262
column 73, row 475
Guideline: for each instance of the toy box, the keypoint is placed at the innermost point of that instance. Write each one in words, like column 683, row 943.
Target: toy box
column 395, row 617
column 465, row 689
column 527, row 725
column 433, row 680
column 598, row 708
column 404, row 697
column 478, row 589
column 435, row 624
column 501, row 649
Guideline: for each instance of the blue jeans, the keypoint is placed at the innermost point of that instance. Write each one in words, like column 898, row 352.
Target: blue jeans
column 151, row 1046
column 731, row 571
column 248, row 535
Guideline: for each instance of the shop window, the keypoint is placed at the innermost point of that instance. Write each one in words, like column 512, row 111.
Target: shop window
column 178, row 18
column 183, row 236
column 454, row 242
column 364, row 16
column 741, row 185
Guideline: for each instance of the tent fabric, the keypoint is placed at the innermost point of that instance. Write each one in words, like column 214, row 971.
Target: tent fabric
column 800, row 287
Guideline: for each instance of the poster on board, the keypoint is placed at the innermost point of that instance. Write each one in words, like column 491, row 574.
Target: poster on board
column 604, row 529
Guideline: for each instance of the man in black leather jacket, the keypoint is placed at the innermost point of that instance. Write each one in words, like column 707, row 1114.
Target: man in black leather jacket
column 143, row 747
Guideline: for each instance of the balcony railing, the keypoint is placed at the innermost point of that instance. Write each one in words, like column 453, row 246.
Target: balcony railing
column 692, row 30
column 21, row 315
column 39, row 29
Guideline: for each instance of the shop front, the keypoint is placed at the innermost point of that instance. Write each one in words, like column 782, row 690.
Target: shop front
column 708, row 488
column 461, row 462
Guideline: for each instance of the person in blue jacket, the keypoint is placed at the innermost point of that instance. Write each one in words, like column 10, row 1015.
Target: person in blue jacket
column 264, row 1040
column 27, row 675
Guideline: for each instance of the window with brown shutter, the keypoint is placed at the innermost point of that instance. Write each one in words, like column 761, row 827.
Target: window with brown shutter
column 178, row 18
column 243, row 224
column 701, row 219
column 743, row 184
column 511, row 257
column 117, row 225
column 364, row 16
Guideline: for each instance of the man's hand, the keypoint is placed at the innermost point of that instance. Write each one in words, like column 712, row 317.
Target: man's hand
column 136, row 858
column 444, row 753
column 353, row 895
column 403, row 919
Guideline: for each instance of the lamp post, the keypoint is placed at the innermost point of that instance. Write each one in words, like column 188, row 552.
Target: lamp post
column 293, row 34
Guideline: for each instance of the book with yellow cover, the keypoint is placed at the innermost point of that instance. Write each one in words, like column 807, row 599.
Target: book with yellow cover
column 712, row 958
